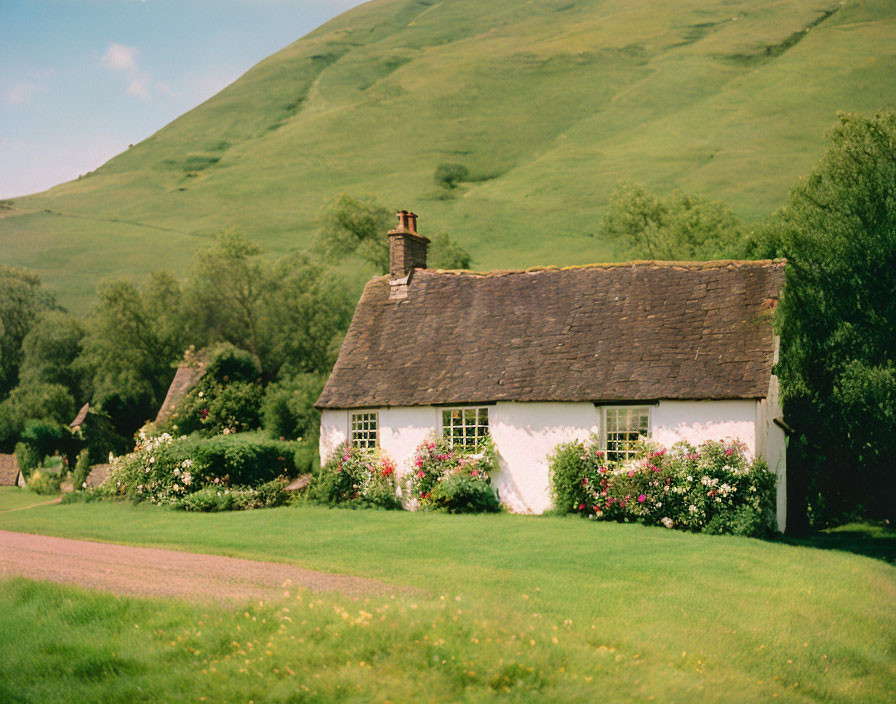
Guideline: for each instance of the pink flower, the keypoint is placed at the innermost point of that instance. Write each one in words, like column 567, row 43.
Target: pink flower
column 585, row 481
column 420, row 474
column 419, row 462
column 602, row 470
column 729, row 451
column 475, row 473
column 642, row 498
column 631, row 472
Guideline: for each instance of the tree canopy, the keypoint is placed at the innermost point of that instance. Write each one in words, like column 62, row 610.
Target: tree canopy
column 837, row 319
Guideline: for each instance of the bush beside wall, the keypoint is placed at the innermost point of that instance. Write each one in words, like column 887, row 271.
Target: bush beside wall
column 713, row 488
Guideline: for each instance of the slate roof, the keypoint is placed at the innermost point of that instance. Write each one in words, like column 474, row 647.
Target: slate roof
column 189, row 372
column 9, row 470
column 609, row 332
column 81, row 417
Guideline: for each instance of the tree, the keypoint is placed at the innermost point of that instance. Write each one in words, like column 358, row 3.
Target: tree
column 837, row 320
column 445, row 254
column 22, row 300
column 678, row 226
column 50, row 349
column 356, row 226
column 226, row 286
column 133, row 339
column 449, row 175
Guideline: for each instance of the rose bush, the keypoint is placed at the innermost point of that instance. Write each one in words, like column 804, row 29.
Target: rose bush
column 456, row 480
column 714, row 488
column 357, row 478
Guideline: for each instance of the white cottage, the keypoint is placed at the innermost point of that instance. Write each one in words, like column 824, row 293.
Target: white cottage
column 673, row 350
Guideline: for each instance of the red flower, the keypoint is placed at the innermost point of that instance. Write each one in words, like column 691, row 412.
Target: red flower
column 581, row 507
column 420, row 474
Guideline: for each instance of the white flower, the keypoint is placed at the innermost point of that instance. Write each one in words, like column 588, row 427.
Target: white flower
column 201, row 394
column 152, row 460
column 186, row 463
column 187, row 478
column 668, row 522
column 690, row 478
column 692, row 509
column 659, row 504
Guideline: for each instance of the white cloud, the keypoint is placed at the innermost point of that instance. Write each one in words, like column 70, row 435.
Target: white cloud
column 120, row 57
column 139, row 87
column 21, row 93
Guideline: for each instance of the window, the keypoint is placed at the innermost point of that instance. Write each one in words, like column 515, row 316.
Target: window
column 623, row 426
column 364, row 429
column 465, row 427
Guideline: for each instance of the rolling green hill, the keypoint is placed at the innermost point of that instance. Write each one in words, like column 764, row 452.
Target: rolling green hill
column 549, row 104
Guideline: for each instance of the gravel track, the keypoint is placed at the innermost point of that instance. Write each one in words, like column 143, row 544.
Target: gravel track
column 151, row 572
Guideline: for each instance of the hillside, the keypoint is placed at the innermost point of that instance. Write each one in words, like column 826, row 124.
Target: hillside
column 549, row 104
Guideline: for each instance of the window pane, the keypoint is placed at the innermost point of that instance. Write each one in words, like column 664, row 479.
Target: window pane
column 625, row 426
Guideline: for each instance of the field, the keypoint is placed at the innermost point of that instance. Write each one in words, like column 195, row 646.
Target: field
column 549, row 105
column 510, row 607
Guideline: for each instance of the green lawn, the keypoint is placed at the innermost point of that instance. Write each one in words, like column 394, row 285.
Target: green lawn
column 636, row 613
column 15, row 497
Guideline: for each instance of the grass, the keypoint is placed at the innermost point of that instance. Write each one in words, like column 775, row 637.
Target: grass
column 548, row 104
column 549, row 609
column 17, row 497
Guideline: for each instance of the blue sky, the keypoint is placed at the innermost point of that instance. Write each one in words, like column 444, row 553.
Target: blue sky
column 80, row 80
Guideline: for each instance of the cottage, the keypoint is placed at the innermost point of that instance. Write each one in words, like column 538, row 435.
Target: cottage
column 671, row 350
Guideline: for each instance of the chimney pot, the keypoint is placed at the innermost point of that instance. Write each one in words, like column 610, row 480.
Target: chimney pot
column 407, row 248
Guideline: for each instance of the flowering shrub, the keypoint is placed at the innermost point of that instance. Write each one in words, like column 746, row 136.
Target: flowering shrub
column 714, row 488
column 455, row 480
column 164, row 470
column 226, row 399
column 44, row 482
column 356, row 477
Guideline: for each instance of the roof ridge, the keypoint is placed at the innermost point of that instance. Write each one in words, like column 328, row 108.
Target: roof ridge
column 636, row 263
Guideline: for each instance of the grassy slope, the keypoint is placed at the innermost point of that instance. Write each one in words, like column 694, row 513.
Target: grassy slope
column 690, row 617
column 549, row 104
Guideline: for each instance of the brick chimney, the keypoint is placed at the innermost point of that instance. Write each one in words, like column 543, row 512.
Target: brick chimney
column 407, row 248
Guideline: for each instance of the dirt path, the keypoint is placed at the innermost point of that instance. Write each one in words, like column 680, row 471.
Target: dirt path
column 57, row 500
column 151, row 572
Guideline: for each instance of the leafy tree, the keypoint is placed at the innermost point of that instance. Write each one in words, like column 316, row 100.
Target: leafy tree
column 134, row 337
column 449, row 175
column 304, row 317
column 50, row 349
column 676, row 227
column 226, row 286
column 288, row 407
column 22, row 300
column 356, row 226
column 445, row 254
column 37, row 401
column 837, row 321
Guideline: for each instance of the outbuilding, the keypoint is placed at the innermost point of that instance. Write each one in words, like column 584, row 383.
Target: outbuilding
column 670, row 350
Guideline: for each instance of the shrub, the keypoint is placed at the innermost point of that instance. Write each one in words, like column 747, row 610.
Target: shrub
column 28, row 458
column 288, row 407
column 449, row 175
column 82, row 470
column 356, row 477
column 213, row 499
column 714, row 488
column 44, row 482
column 227, row 399
column 464, row 472
column 164, row 470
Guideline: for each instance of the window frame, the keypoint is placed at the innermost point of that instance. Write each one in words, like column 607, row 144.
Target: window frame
column 613, row 455
column 363, row 443
column 476, row 436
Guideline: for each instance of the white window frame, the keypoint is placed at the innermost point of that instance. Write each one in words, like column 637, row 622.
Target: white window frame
column 476, row 435
column 364, row 442
column 628, row 452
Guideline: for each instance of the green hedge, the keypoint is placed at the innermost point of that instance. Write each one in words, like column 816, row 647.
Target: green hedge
column 164, row 470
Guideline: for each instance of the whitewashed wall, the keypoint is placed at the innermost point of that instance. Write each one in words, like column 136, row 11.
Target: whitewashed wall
column 699, row 421
column 527, row 433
